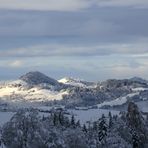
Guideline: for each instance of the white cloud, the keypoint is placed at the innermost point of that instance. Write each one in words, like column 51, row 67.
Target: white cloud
column 138, row 47
column 67, row 5
column 96, row 68
column 53, row 5
column 132, row 3
column 15, row 64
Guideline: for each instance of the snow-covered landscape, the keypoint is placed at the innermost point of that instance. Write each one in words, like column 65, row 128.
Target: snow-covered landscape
column 73, row 74
column 38, row 94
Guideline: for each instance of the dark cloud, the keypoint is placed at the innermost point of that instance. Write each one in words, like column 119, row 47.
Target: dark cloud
column 103, row 23
column 91, row 28
column 92, row 31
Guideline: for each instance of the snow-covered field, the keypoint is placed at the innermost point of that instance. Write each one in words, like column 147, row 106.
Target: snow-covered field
column 91, row 114
column 82, row 115
column 143, row 105
column 5, row 117
column 24, row 96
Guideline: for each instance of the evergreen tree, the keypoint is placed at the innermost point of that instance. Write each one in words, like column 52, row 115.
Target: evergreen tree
column 84, row 128
column 147, row 120
column 95, row 126
column 73, row 123
column 102, row 128
column 78, row 124
column 61, row 118
column 134, row 117
column 135, row 140
column 136, row 122
column 43, row 118
column 110, row 120
column 55, row 119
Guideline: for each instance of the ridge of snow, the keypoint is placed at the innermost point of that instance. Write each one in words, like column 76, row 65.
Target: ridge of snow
column 64, row 80
column 139, row 89
column 72, row 81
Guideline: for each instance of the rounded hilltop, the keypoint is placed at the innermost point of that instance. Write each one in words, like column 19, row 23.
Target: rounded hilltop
column 36, row 77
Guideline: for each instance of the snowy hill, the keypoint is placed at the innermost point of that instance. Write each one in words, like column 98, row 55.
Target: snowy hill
column 140, row 80
column 76, row 82
column 22, row 91
column 36, row 77
column 35, row 87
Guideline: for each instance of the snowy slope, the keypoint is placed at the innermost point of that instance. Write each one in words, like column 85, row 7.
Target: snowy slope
column 76, row 82
column 71, row 81
column 139, row 89
column 18, row 91
column 118, row 101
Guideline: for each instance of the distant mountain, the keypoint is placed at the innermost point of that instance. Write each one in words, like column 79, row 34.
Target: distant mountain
column 36, row 78
column 114, row 83
column 140, row 80
column 35, row 87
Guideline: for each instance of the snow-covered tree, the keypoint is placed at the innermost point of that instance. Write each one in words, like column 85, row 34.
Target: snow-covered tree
column 135, row 140
column 27, row 129
column 102, row 129
column 78, row 123
column 137, row 123
column 73, row 122
column 110, row 124
column 20, row 131
column 84, row 128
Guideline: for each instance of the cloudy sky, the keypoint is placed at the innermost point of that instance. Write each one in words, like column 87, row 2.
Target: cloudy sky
column 90, row 39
